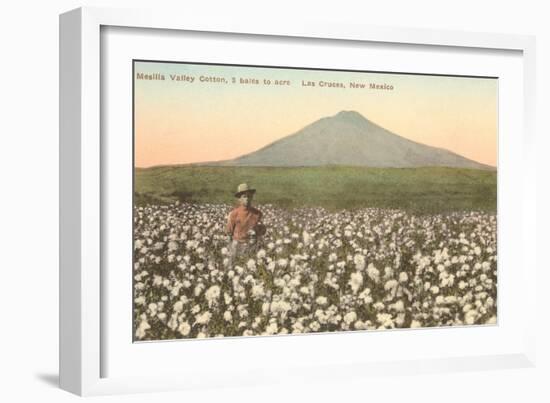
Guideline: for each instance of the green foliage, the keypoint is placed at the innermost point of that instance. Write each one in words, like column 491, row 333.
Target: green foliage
column 417, row 190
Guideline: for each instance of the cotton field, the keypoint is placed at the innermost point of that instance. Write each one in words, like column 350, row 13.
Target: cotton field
column 313, row 271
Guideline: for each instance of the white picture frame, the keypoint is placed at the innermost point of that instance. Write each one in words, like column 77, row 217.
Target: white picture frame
column 84, row 173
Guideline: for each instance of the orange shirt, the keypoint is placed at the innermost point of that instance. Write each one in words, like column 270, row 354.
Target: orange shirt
column 241, row 220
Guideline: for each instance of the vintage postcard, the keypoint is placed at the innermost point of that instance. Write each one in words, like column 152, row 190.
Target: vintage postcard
column 278, row 200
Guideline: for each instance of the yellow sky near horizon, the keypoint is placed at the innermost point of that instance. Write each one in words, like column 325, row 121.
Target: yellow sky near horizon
column 209, row 119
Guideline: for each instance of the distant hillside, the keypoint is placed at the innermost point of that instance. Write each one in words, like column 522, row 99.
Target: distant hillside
column 420, row 190
column 350, row 139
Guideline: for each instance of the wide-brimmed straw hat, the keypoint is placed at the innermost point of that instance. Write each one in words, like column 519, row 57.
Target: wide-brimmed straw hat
column 243, row 188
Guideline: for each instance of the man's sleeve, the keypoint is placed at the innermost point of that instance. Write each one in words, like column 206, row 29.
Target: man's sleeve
column 230, row 227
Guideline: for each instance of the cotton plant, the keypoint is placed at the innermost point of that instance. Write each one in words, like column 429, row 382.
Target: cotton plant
column 314, row 271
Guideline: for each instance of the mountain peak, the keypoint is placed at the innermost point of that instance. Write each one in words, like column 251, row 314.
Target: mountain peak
column 350, row 115
column 348, row 138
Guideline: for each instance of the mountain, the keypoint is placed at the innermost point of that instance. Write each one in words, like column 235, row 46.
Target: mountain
column 348, row 138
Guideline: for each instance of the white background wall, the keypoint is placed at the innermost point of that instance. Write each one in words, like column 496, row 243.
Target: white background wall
column 29, row 198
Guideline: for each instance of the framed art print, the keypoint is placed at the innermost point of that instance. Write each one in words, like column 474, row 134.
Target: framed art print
column 236, row 201
column 274, row 200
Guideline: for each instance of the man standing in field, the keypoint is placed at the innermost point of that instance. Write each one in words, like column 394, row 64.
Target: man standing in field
column 243, row 223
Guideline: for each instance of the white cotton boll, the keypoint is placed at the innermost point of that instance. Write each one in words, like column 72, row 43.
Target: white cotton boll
column 298, row 327
column 142, row 329
column 350, row 317
column 153, row 308
column 173, row 322
column 198, row 290
column 359, row 261
column 321, row 316
column 360, row 325
column 282, row 262
column 271, row 328
column 280, row 307
column 390, row 285
column 356, row 281
column 365, row 296
column 470, row 317
column 321, row 300
column 258, row 291
column 399, row 306
column 294, row 282
column 306, row 237
column 450, row 299
column 212, row 295
column 400, row 319
column 140, row 300
column 416, row 324
column 388, row 272
column 403, row 277
column 227, row 316
column 184, row 328
column 315, row 326
column 385, row 320
column 203, row 318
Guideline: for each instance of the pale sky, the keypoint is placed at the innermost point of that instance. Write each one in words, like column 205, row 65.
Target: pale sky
column 178, row 122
